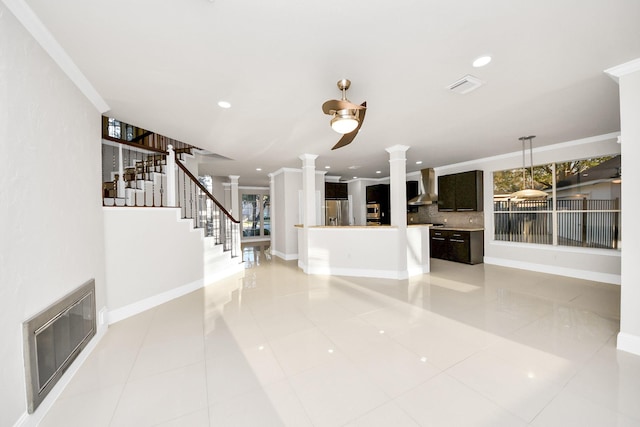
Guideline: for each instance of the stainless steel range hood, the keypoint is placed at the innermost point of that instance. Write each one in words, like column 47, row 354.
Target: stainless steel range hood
column 427, row 188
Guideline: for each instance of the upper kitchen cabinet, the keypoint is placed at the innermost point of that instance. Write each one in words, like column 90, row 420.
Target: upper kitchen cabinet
column 460, row 192
column 412, row 191
column 336, row 191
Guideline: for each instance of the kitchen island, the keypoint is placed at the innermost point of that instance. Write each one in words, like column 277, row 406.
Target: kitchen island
column 365, row 251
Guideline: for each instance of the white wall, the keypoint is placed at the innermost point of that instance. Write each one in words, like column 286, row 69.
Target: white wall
column 629, row 337
column 149, row 252
column 347, row 251
column 51, row 218
column 286, row 212
column 590, row 264
column 358, row 191
column 217, row 184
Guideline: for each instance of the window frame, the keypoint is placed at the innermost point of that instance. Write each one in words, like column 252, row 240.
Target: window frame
column 595, row 217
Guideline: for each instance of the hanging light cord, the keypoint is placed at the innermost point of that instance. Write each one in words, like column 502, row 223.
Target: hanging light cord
column 524, row 165
column 530, row 138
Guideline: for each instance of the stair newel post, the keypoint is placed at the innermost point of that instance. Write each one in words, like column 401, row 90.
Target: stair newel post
column 120, row 184
column 171, row 176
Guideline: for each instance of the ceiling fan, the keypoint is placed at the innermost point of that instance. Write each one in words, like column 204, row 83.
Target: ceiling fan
column 347, row 117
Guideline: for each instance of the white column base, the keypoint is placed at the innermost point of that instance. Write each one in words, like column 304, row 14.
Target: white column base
column 629, row 343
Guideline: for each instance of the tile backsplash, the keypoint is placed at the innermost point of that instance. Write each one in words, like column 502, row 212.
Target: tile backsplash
column 429, row 214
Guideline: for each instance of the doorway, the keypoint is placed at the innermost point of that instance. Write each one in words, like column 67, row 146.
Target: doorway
column 256, row 216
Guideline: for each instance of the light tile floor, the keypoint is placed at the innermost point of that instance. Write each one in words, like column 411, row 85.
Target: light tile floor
column 464, row 345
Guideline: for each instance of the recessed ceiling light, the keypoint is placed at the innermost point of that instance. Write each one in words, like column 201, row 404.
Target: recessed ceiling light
column 327, row 167
column 378, row 171
column 355, row 177
column 482, row 61
column 419, row 162
column 258, row 169
column 224, row 104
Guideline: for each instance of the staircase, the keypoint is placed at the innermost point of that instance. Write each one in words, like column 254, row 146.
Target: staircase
column 144, row 184
column 145, row 169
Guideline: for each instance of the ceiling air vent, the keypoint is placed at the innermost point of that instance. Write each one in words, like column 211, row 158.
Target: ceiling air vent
column 465, row 84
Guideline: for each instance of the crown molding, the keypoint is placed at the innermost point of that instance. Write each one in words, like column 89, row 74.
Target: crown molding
column 30, row 21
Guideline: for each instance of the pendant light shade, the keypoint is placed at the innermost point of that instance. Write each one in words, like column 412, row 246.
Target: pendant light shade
column 528, row 193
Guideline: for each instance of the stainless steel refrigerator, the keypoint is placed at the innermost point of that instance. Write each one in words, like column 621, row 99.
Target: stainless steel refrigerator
column 336, row 212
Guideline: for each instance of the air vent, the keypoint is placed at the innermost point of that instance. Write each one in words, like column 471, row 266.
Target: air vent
column 465, row 84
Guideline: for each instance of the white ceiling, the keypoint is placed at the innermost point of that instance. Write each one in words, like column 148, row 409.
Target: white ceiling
column 164, row 64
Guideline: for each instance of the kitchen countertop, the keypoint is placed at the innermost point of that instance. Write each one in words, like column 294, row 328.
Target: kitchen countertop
column 370, row 227
column 459, row 228
column 374, row 227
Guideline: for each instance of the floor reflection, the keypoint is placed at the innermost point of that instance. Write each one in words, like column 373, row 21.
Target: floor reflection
column 255, row 253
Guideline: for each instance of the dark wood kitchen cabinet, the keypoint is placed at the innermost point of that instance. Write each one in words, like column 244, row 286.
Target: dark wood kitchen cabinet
column 447, row 193
column 412, row 191
column 457, row 245
column 380, row 194
column 336, row 191
column 460, row 192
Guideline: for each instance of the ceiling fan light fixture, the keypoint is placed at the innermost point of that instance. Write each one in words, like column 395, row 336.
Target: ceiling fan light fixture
column 344, row 121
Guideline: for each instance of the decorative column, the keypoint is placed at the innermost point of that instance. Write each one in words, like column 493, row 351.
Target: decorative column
column 398, row 203
column 236, row 213
column 120, row 184
column 398, row 183
column 628, row 77
column 235, row 200
column 171, row 176
column 309, row 189
column 272, row 210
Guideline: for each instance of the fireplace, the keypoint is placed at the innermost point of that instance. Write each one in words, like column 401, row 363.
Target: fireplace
column 53, row 339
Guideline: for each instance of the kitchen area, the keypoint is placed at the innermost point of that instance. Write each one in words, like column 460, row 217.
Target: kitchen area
column 393, row 224
column 455, row 219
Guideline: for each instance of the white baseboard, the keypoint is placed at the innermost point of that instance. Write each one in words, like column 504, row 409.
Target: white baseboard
column 151, row 302
column 32, row 420
column 629, row 343
column 552, row 269
column 286, row 257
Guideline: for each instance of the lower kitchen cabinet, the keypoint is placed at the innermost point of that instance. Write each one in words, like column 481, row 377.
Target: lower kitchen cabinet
column 457, row 245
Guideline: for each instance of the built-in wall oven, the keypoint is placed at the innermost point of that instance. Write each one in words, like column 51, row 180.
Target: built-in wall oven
column 374, row 214
column 373, row 210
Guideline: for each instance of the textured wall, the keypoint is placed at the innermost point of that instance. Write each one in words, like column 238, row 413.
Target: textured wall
column 51, row 238
column 137, row 268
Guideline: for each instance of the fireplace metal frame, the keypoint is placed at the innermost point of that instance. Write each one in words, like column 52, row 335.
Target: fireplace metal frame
column 37, row 390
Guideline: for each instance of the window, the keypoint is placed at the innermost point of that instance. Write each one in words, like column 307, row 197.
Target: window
column 117, row 129
column 582, row 208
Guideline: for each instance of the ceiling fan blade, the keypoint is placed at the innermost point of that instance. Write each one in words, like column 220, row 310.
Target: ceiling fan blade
column 333, row 105
column 348, row 137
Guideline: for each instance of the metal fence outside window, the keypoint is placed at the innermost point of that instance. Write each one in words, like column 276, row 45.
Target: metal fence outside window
column 580, row 222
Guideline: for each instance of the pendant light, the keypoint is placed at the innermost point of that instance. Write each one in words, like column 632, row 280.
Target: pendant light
column 528, row 193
